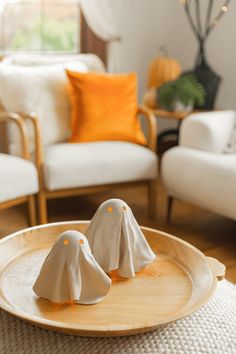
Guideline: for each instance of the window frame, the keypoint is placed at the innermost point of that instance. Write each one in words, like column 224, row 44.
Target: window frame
column 89, row 43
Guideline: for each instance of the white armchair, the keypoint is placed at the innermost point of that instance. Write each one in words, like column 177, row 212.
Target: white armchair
column 76, row 169
column 18, row 176
column 73, row 169
column 199, row 171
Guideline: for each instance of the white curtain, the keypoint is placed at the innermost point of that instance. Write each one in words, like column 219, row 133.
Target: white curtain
column 100, row 18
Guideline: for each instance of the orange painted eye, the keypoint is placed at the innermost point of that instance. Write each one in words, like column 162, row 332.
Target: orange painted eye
column 124, row 208
column 81, row 242
column 66, row 242
column 109, row 209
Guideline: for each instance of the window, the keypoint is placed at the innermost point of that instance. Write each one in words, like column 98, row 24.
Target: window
column 39, row 26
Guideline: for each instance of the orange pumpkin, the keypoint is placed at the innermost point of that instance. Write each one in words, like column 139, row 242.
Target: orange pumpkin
column 163, row 69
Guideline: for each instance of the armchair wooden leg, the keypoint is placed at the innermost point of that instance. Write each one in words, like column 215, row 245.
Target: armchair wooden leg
column 169, row 209
column 42, row 206
column 32, row 210
column 152, row 187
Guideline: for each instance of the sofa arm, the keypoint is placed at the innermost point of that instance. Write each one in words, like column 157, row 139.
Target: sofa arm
column 207, row 131
column 32, row 117
column 18, row 120
column 151, row 126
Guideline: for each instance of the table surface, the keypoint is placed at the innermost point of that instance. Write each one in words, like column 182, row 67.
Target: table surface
column 171, row 115
column 162, row 113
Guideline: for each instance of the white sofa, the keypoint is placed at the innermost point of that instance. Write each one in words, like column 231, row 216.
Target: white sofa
column 18, row 175
column 199, row 170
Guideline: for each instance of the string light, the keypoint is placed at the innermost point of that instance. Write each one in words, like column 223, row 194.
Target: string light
column 183, row 2
column 224, row 8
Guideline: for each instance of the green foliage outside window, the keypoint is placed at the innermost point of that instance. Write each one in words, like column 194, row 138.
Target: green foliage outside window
column 49, row 35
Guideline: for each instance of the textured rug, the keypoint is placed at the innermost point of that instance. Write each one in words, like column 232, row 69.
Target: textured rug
column 211, row 330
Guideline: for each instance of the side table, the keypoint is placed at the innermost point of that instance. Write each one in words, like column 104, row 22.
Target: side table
column 178, row 116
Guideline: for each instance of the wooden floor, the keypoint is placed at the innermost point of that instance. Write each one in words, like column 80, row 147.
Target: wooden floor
column 212, row 234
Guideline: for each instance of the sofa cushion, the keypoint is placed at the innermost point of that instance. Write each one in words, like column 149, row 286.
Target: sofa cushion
column 39, row 89
column 18, row 178
column 205, row 179
column 97, row 163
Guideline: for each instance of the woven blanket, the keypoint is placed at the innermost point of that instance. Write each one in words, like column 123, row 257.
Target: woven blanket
column 211, row 330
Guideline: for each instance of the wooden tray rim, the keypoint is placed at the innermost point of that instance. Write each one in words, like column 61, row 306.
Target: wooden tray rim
column 103, row 331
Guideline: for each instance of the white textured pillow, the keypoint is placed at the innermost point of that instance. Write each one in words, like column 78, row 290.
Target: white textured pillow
column 231, row 146
column 92, row 61
column 39, row 89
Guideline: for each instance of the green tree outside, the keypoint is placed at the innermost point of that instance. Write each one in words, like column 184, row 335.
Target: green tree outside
column 47, row 35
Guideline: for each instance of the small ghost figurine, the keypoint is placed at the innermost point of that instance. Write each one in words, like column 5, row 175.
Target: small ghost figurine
column 117, row 241
column 70, row 272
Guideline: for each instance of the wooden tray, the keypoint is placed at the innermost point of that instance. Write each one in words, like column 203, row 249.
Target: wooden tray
column 177, row 283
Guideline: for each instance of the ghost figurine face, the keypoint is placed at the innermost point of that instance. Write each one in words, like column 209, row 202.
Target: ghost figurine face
column 117, row 241
column 70, row 272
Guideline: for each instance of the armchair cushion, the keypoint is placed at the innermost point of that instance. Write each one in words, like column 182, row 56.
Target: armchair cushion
column 104, row 107
column 18, row 178
column 97, row 163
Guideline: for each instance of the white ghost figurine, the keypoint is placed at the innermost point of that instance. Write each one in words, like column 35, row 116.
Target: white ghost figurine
column 117, row 241
column 70, row 272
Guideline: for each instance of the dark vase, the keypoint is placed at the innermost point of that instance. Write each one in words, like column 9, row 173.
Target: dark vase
column 209, row 79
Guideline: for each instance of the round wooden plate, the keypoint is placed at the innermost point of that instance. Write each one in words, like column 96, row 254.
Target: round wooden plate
column 177, row 283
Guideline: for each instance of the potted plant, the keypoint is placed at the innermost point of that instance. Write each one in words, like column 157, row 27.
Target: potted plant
column 181, row 94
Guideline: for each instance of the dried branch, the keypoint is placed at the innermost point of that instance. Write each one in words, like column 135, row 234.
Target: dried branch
column 217, row 19
column 190, row 19
column 198, row 16
column 208, row 16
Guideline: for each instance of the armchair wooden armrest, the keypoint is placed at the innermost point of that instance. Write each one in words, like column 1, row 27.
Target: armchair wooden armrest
column 151, row 125
column 19, row 121
column 32, row 117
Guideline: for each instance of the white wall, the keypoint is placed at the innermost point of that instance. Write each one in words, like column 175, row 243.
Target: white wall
column 141, row 24
column 146, row 24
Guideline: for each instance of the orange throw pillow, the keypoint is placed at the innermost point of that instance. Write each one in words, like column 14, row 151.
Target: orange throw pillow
column 104, row 107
